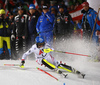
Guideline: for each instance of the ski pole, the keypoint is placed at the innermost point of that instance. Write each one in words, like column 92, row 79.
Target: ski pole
column 72, row 53
column 11, row 65
column 47, row 73
column 14, row 65
column 49, row 50
column 94, row 24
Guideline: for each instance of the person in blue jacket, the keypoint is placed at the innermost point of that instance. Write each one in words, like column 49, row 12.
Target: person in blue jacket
column 88, row 20
column 32, row 20
column 45, row 24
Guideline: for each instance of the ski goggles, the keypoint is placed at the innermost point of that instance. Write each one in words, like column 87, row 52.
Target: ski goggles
column 40, row 44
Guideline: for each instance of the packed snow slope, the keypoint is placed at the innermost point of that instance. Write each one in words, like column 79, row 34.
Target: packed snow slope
column 14, row 75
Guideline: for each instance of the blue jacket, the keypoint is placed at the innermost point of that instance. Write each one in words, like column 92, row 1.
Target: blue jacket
column 45, row 23
column 32, row 20
column 91, row 16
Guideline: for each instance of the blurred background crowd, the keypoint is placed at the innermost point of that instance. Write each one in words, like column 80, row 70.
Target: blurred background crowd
column 22, row 20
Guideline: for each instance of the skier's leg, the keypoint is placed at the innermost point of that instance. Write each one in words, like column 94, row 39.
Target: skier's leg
column 52, row 60
column 68, row 68
column 48, row 64
column 71, row 69
column 51, row 66
column 65, row 67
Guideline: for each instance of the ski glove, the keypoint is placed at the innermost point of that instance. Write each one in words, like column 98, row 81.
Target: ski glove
column 47, row 50
column 22, row 64
column 12, row 37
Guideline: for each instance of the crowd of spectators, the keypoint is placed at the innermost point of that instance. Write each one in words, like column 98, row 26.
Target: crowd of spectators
column 30, row 22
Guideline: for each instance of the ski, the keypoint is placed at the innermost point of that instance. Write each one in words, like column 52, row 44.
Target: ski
column 81, row 75
column 60, row 72
column 71, row 70
column 47, row 73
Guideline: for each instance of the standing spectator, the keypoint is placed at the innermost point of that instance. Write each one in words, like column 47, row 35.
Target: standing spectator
column 4, row 34
column 32, row 20
column 20, row 30
column 72, row 7
column 11, row 24
column 39, row 10
column 63, row 24
column 41, row 3
column 11, row 20
column 53, row 5
column 78, row 32
column 1, row 7
column 65, row 7
column 44, row 25
column 88, row 20
column 54, row 11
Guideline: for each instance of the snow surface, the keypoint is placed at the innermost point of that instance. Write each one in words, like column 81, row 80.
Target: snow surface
column 14, row 75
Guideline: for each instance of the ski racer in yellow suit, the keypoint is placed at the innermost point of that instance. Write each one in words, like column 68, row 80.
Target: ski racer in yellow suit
column 4, row 33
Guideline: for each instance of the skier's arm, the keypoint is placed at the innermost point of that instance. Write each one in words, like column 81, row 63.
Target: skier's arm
column 48, row 48
column 27, row 53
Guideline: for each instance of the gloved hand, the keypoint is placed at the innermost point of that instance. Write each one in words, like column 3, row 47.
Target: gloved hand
column 38, row 33
column 22, row 63
column 47, row 50
column 97, row 32
column 12, row 37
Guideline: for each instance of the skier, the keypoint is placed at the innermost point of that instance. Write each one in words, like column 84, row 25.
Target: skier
column 45, row 58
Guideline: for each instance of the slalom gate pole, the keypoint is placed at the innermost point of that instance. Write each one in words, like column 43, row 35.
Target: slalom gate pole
column 47, row 73
column 72, row 53
column 11, row 65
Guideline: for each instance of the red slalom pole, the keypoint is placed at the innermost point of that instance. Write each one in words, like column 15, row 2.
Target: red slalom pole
column 77, row 54
column 47, row 73
column 11, row 65
column 72, row 53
